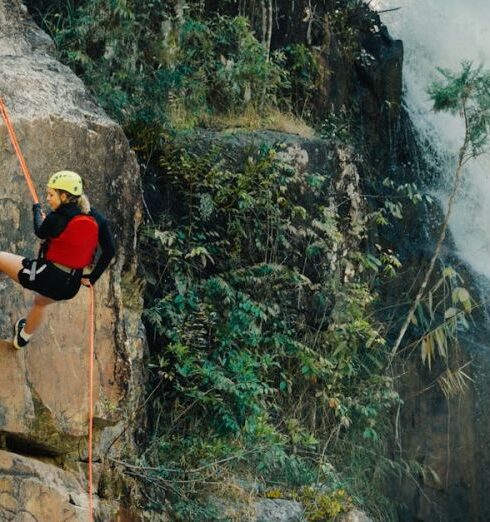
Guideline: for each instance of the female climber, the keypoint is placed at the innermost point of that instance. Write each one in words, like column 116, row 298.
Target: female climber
column 72, row 235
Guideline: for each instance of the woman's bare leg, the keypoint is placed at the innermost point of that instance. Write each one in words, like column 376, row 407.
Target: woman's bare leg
column 36, row 313
column 10, row 264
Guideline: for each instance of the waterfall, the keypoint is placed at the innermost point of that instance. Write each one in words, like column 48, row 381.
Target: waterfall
column 443, row 33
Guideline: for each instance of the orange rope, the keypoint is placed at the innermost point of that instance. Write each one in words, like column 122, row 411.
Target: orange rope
column 91, row 398
column 15, row 145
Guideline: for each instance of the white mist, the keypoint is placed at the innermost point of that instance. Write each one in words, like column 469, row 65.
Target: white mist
column 443, row 33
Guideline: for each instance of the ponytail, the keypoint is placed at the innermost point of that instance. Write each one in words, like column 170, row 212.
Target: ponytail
column 82, row 201
column 83, row 204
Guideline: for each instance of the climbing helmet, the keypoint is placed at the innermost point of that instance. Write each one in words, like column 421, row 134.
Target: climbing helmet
column 68, row 181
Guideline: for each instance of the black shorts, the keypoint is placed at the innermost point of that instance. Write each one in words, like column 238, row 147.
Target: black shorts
column 49, row 280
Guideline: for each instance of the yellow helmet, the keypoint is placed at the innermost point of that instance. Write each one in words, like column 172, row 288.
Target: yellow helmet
column 68, row 181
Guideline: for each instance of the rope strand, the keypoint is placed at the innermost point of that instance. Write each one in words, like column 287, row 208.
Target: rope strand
column 18, row 152
column 91, row 399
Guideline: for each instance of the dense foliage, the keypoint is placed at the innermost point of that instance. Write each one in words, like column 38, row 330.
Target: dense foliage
column 268, row 350
column 155, row 70
column 268, row 365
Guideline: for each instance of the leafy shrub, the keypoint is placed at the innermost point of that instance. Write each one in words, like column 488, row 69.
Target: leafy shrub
column 257, row 340
column 143, row 65
column 224, row 68
column 322, row 506
column 304, row 70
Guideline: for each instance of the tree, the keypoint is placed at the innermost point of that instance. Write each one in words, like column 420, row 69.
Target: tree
column 466, row 93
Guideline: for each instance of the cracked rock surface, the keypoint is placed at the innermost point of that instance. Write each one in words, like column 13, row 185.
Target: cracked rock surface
column 44, row 388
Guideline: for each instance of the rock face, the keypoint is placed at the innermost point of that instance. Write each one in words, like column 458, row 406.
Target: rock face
column 354, row 516
column 44, row 389
column 279, row 511
column 448, row 437
column 32, row 490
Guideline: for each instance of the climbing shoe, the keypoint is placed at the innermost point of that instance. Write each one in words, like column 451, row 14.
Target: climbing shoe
column 19, row 341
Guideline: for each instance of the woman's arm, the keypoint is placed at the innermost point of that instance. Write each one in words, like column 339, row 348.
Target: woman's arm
column 106, row 243
column 51, row 226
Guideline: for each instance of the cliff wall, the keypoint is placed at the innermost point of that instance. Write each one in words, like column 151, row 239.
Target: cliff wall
column 44, row 388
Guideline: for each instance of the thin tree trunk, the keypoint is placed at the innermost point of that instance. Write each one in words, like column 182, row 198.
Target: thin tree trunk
column 442, row 235
column 264, row 21
column 267, row 17
column 269, row 29
column 309, row 19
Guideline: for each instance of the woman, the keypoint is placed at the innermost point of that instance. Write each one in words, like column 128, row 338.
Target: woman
column 72, row 233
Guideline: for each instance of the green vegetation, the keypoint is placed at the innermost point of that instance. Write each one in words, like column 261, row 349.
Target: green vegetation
column 268, row 362
column 156, row 71
column 466, row 92
column 269, row 353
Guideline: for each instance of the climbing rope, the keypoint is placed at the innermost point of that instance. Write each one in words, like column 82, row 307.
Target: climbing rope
column 91, row 397
column 18, row 152
column 32, row 190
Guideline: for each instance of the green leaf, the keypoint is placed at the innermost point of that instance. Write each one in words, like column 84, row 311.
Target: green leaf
column 460, row 295
column 450, row 312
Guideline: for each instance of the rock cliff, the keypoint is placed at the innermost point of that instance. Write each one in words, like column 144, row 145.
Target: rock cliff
column 44, row 389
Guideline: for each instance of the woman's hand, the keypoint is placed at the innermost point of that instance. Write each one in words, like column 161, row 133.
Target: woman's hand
column 86, row 281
